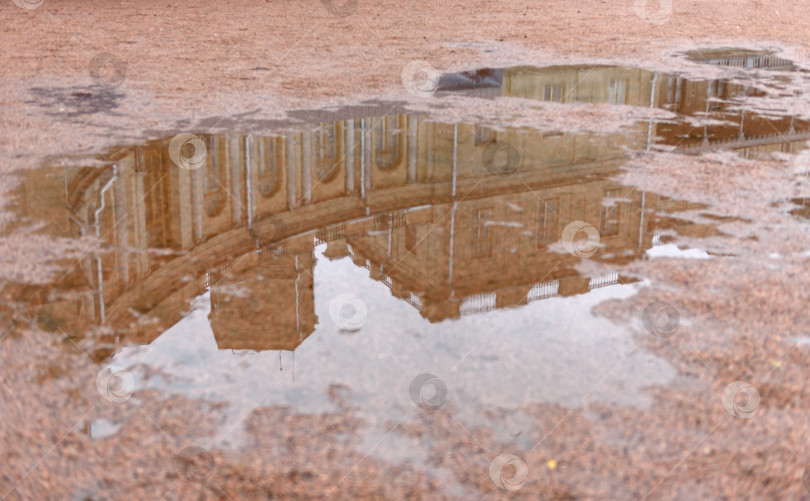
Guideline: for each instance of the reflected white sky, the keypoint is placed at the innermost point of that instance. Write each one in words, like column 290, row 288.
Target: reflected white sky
column 550, row 351
column 672, row 250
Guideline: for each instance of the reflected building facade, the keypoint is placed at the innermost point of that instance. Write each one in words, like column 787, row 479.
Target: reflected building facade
column 453, row 218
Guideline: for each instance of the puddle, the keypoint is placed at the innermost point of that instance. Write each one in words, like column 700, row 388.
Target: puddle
column 710, row 115
column 741, row 58
column 102, row 428
column 801, row 207
column 324, row 268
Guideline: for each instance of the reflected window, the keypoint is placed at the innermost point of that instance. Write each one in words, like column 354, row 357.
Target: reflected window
column 670, row 204
column 152, row 160
column 387, row 142
column 610, row 215
column 483, row 244
column 382, row 222
column 554, row 93
column 140, row 159
column 326, row 149
column 484, row 135
column 618, row 91
column 411, row 239
column 269, row 169
column 722, row 89
column 802, row 208
column 715, row 90
column 156, row 202
column 547, row 222
column 214, row 180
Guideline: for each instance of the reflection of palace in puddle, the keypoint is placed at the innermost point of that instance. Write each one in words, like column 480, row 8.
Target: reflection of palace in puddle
column 746, row 132
column 415, row 202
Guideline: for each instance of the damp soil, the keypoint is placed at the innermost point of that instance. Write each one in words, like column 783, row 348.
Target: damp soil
column 571, row 264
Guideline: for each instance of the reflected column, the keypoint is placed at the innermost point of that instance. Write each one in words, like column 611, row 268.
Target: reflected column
column 141, row 234
column 235, row 188
column 306, row 164
column 412, row 150
column 290, row 169
column 349, row 131
column 455, row 206
column 197, row 203
column 367, row 122
column 249, row 190
column 120, row 210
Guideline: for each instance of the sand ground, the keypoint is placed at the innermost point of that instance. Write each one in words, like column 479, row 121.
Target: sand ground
column 183, row 62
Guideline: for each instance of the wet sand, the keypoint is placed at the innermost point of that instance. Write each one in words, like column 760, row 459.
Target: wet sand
column 181, row 63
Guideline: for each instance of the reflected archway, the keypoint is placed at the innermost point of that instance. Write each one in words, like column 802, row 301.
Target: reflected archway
column 214, row 180
column 270, row 168
column 327, row 151
column 388, row 144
